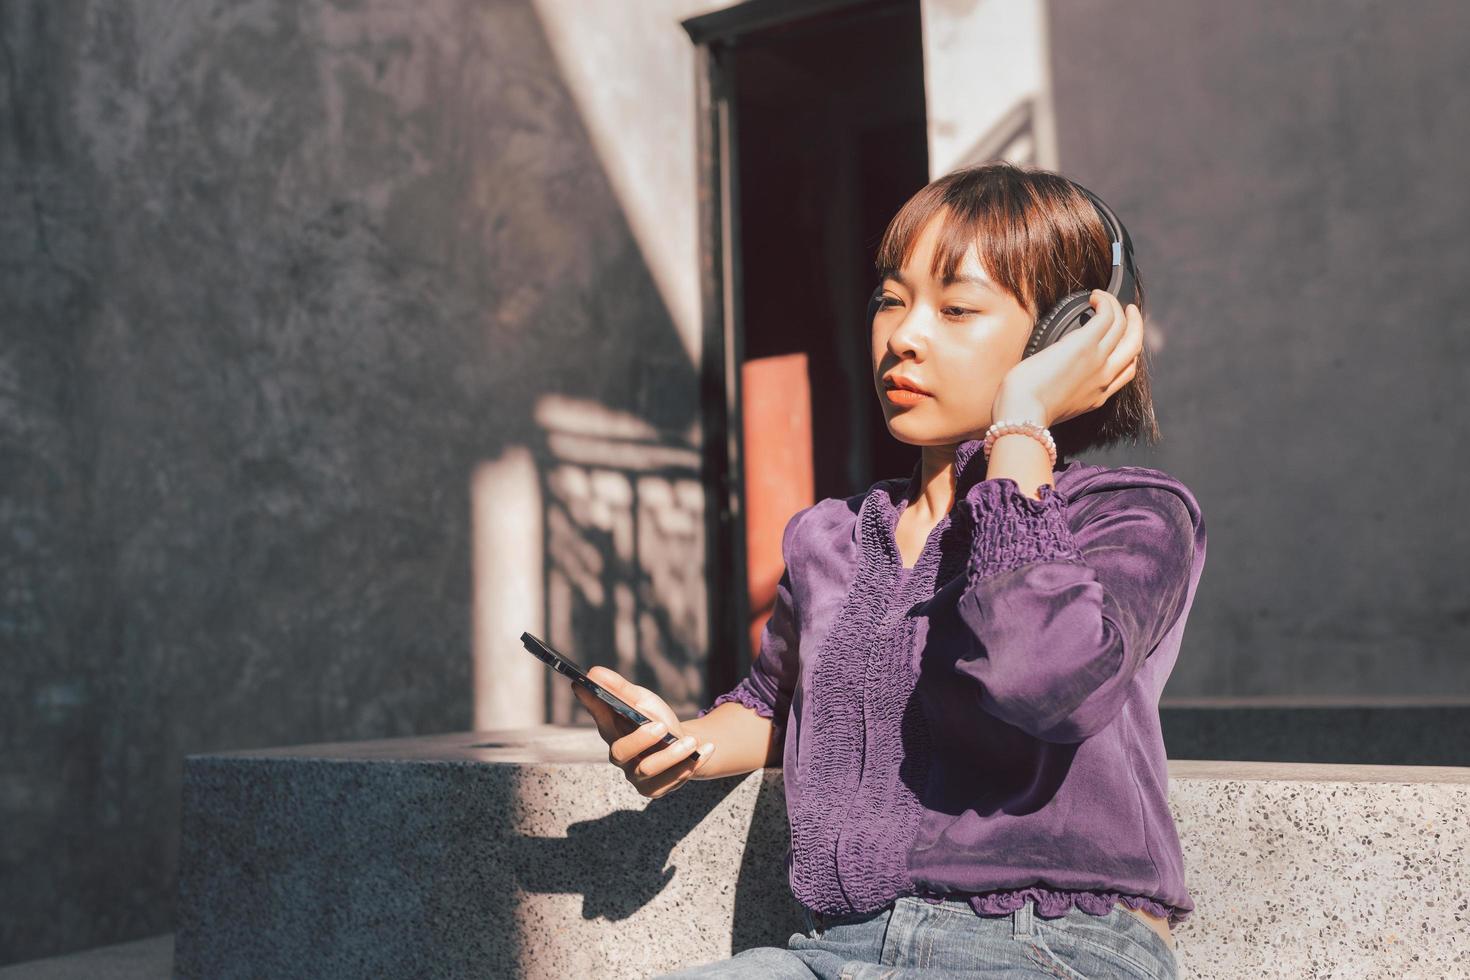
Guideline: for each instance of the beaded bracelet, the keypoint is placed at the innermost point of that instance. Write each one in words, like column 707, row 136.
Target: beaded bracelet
column 1026, row 427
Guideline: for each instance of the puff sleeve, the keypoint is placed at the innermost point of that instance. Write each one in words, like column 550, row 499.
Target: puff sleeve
column 1062, row 619
column 767, row 688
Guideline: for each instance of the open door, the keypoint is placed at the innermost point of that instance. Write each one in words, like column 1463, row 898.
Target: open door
column 813, row 135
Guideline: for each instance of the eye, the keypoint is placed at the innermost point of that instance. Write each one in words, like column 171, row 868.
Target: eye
column 953, row 312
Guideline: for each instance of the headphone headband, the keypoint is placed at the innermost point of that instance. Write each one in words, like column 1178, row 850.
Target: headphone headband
column 1121, row 283
column 1075, row 309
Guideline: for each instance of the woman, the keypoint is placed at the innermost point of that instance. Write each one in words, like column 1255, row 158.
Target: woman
column 962, row 670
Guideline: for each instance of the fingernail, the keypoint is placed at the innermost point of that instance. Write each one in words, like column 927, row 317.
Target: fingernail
column 687, row 742
column 657, row 728
column 706, row 748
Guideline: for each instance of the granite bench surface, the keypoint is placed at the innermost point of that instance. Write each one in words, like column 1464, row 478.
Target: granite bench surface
column 523, row 853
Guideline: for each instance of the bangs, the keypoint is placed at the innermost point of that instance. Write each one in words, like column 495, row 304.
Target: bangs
column 1016, row 227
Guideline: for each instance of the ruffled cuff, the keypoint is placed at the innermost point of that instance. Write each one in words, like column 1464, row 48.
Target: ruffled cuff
column 742, row 694
column 1012, row 529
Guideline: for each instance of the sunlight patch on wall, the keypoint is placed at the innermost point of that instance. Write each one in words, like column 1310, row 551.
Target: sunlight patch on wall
column 987, row 83
column 594, row 541
column 630, row 68
column 506, row 511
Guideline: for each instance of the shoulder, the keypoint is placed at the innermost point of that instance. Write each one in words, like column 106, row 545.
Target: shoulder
column 830, row 524
column 1096, row 492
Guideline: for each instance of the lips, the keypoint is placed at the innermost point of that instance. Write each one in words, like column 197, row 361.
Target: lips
column 899, row 395
column 902, row 384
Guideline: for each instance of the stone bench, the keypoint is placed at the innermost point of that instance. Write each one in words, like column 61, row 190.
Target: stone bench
column 524, row 854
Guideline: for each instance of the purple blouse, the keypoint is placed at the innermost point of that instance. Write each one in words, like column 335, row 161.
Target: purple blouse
column 986, row 723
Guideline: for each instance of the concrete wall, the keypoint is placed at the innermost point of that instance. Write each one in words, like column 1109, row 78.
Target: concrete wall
column 277, row 280
column 1286, row 174
column 1302, row 230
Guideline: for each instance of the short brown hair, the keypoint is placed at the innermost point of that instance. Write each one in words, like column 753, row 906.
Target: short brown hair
column 1040, row 238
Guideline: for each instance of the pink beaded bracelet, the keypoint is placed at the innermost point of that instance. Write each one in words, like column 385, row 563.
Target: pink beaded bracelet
column 1026, row 427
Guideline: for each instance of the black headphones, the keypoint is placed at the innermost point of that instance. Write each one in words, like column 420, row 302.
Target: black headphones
column 1072, row 310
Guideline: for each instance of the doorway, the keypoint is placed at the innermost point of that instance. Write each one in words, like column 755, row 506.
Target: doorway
column 813, row 135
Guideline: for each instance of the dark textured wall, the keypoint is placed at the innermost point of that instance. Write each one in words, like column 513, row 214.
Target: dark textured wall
column 274, row 276
column 1289, row 176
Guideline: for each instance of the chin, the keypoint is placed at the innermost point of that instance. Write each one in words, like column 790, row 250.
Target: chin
column 910, row 434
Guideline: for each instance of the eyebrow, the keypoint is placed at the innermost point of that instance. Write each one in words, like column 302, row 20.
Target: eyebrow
column 962, row 279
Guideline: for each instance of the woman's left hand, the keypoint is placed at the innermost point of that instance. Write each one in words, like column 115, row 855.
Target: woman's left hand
column 1077, row 373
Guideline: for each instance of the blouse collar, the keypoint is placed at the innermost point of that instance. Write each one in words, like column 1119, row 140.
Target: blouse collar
column 970, row 465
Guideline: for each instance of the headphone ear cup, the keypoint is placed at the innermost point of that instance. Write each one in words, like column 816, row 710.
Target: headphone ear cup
column 1061, row 320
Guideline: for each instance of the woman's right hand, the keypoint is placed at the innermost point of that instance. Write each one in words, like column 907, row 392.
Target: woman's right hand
column 652, row 773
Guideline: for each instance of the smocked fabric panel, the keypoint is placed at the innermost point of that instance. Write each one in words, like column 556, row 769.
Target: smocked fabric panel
column 859, row 809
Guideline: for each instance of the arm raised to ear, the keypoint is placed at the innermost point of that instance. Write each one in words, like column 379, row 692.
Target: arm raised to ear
column 1063, row 619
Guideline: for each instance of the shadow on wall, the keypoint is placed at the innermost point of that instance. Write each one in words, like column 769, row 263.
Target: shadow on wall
column 597, row 536
column 277, row 279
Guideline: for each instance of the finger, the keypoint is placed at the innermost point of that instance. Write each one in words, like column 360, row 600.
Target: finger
column 611, row 679
column 624, row 750
column 656, row 762
column 601, row 712
column 616, row 684
column 1102, row 314
column 679, row 773
column 1129, row 346
column 1125, row 376
column 1128, row 375
column 1117, row 323
column 631, row 694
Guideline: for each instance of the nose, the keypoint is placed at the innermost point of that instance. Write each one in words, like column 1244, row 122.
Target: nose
column 908, row 333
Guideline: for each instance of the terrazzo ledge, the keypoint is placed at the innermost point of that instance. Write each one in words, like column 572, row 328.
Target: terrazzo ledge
column 523, row 853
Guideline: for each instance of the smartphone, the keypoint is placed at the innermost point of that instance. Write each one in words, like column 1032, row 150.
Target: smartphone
column 558, row 662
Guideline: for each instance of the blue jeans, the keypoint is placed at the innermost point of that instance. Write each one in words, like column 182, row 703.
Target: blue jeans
column 913, row 938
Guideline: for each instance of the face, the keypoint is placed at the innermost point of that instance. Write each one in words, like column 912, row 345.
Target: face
column 956, row 341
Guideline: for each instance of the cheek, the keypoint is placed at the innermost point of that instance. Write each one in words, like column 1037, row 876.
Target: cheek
column 980, row 363
column 877, row 344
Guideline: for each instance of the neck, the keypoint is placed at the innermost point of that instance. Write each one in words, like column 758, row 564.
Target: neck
column 941, row 475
